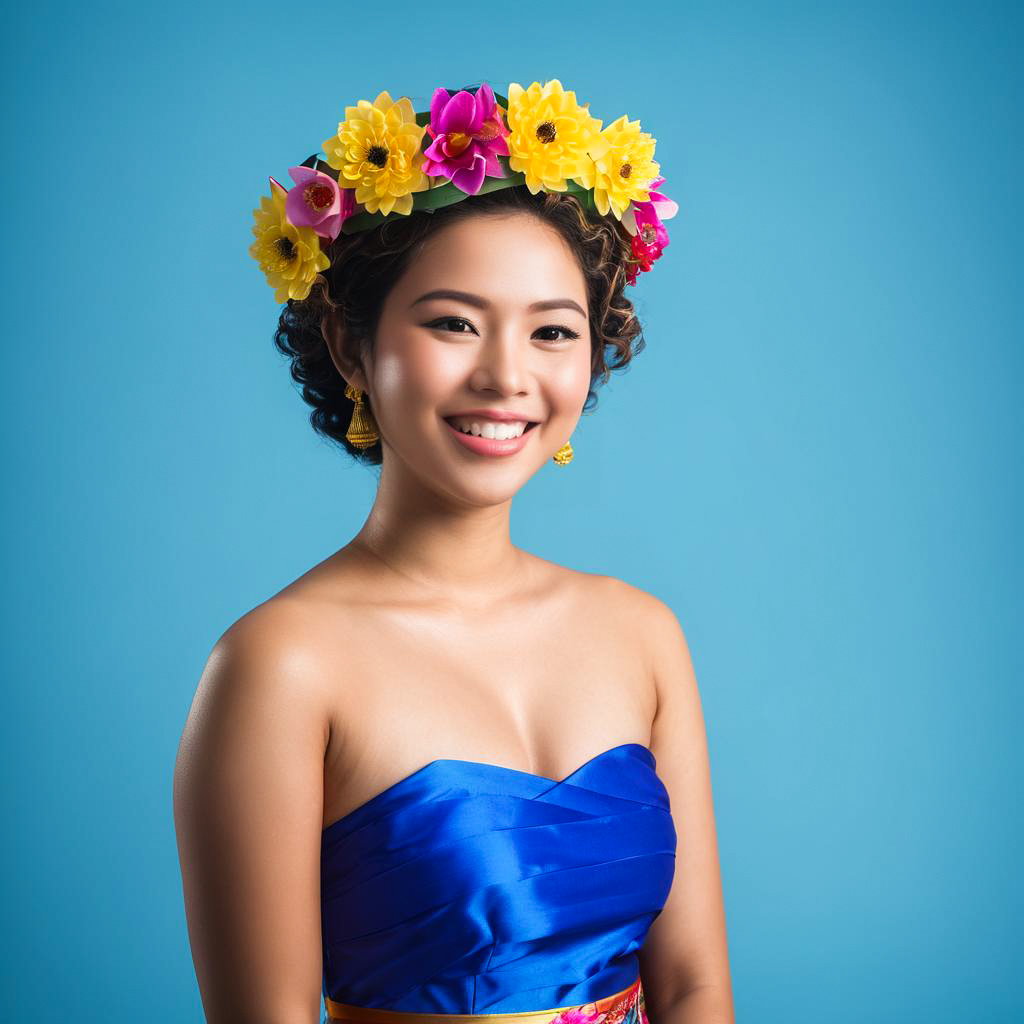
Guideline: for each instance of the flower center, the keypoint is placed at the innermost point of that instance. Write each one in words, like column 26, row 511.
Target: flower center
column 285, row 248
column 318, row 196
column 648, row 234
column 377, row 155
column 546, row 132
column 626, row 170
column 456, row 142
column 488, row 131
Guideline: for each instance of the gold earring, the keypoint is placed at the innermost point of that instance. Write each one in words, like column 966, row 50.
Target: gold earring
column 563, row 456
column 362, row 431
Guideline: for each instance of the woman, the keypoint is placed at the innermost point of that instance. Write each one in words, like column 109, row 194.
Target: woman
column 438, row 774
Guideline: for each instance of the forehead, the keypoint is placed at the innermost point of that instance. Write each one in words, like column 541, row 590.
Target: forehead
column 512, row 259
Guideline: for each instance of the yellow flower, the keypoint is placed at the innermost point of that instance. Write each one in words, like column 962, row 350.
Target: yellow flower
column 290, row 257
column 377, row 150
column 550, row 135
column 624, row 172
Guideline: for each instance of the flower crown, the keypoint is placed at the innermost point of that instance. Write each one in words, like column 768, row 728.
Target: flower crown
column 479, row 142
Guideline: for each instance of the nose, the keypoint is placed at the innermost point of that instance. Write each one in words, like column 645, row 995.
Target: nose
column 502, row 360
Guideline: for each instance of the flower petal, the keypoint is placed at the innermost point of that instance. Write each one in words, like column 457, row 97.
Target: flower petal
column 437, row 104
column 458, row 114
column 470, row 179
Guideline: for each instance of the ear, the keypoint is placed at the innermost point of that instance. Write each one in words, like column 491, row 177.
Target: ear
column 334, row 336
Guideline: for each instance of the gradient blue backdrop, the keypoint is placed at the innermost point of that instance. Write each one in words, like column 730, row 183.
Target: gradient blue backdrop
column 816, row 462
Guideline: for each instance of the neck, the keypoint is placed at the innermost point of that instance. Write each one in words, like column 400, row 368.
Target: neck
column 447, row 549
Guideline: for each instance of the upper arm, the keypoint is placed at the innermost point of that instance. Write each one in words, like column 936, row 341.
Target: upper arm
column 248, row 813
column 686, row 946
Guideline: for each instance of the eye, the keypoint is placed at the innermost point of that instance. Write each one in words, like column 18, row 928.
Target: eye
column 570, row 335
column 450, row 320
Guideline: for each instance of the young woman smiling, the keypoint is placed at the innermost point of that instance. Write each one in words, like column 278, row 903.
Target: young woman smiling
column 437, row 773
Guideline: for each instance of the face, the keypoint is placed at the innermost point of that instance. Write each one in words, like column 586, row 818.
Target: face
column 516, row 340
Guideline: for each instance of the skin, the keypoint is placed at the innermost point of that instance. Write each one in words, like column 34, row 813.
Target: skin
column 431, row 635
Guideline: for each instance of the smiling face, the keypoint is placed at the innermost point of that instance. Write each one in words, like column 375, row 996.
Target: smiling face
column 492, row 315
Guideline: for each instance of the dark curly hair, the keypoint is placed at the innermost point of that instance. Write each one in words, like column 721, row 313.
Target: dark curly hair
column 366, row 265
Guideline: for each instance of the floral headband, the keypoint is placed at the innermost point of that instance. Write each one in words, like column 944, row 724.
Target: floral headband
column 479, row 142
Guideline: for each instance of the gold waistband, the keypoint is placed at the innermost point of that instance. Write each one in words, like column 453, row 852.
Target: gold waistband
column 370, row 1015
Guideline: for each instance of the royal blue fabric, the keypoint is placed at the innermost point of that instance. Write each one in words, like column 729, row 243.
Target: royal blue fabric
column 474, row 888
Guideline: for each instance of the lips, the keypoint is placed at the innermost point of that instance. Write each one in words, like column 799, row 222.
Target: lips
column 450, row 420
column 494, row 415
column 490, row 445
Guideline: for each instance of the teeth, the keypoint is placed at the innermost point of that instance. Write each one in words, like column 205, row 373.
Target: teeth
column 490, row 428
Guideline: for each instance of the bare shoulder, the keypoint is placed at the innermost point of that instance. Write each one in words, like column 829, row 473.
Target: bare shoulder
column 248, row 807
column 630, row 599
column 603, row 591
column 259, row 684
column 636, row 606
column 646, row 624
column 660, row 638
column 272, row 654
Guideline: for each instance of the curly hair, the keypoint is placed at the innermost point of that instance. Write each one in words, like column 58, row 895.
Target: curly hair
column 366, row 265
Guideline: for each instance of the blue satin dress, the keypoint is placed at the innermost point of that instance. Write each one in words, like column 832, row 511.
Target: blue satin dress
column 470, row 888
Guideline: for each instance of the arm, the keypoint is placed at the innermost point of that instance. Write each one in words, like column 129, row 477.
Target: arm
column 248, row 812
column 685, row 959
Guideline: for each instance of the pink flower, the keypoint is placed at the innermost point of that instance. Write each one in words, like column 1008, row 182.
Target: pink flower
column 317, row 202
column 469, row 136
column 663, row 207
column 644, row 223
column 647, row 246
column 577, row 1016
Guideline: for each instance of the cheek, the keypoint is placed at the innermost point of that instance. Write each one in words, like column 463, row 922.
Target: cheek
column 412, row 371
column 568, row 381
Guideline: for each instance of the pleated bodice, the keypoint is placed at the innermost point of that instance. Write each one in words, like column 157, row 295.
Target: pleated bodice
column 472, row 888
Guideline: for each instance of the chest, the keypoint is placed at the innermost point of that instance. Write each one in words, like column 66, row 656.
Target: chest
column 531, row 691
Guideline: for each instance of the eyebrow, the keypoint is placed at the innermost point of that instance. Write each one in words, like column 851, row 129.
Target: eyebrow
column 481, row 303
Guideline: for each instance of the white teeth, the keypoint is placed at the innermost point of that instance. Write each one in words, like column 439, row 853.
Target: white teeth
column 490, row 428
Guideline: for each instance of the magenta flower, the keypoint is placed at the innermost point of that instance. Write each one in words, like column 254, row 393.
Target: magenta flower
column 649, row 227
column 469, row 136
column 644, row 223
column 578, row 1016
column 317, row 202
column 646, row 247
column 651, row 213
column 664, row 207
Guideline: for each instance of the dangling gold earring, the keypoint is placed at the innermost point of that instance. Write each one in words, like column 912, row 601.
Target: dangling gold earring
column 563, row 456
column 362, row 431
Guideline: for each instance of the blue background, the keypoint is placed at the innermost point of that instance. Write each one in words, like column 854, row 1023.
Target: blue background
column 816, row 461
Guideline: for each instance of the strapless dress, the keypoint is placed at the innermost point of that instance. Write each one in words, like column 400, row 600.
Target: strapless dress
column 469, row 889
